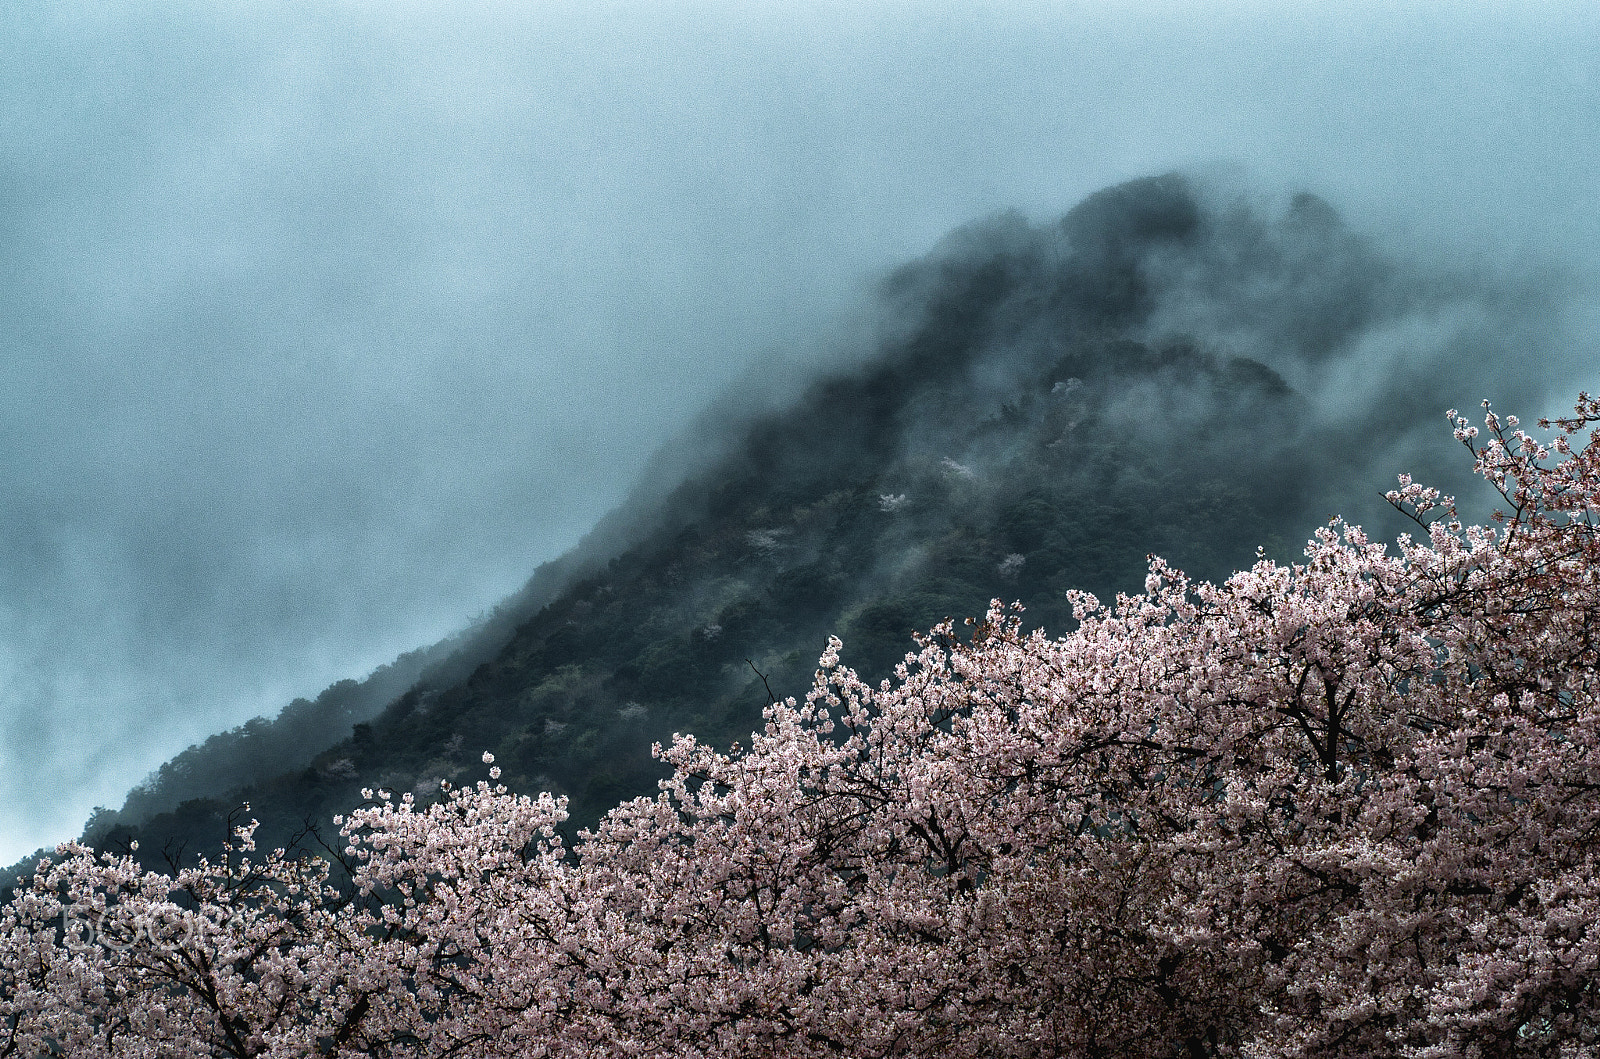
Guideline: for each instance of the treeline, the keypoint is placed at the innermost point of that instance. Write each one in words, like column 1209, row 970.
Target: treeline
column 1340, row 808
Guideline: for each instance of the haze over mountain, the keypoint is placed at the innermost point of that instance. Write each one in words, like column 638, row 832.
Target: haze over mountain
column 321, row 327
column 1042, row 408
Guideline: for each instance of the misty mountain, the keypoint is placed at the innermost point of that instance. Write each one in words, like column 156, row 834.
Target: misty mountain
column 1166, row 369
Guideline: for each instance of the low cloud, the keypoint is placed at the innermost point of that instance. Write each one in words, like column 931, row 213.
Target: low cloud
column 321, row 325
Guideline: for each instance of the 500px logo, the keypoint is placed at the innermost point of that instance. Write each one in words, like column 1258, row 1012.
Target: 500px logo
column 86, row 928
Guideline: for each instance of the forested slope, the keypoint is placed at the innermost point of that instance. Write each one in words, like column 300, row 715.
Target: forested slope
column 1045, row 405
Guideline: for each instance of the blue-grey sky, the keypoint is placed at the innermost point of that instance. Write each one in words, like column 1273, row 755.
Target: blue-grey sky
column 321, row 324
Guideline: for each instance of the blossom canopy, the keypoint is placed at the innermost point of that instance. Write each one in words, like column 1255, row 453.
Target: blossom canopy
column 1344, row 807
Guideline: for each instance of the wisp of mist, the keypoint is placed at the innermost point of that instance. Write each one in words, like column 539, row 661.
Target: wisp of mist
column 321, row 325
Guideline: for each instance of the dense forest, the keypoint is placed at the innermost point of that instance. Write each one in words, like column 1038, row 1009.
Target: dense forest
column 1043, row 406
column 1333, row 809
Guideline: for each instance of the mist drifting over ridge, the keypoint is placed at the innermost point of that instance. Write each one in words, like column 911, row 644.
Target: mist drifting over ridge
column 1025, row 423
column 322, row 327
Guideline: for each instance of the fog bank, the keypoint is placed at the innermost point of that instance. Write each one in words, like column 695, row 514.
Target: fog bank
column 320, row 326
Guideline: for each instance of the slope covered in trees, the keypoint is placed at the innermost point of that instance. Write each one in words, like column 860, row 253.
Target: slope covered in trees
column 1345, row 807
column 1045, row 406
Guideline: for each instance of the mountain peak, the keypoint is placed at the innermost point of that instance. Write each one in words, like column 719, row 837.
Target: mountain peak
column 1051, row 404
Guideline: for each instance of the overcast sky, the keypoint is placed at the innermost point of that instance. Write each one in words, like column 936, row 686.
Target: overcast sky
column 322, row 324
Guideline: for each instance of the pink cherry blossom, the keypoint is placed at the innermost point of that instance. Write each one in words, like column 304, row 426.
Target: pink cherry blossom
column 1344, row 807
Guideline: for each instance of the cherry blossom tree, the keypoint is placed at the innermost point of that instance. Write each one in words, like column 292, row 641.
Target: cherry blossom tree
column 1344, row 807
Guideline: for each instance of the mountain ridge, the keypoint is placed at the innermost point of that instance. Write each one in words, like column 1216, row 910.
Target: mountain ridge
column 1031, row 420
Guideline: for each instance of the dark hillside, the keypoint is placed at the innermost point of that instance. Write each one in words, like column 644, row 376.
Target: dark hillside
column 1033, row 424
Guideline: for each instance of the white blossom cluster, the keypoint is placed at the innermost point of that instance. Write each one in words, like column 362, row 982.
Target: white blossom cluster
column 1346, row 807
